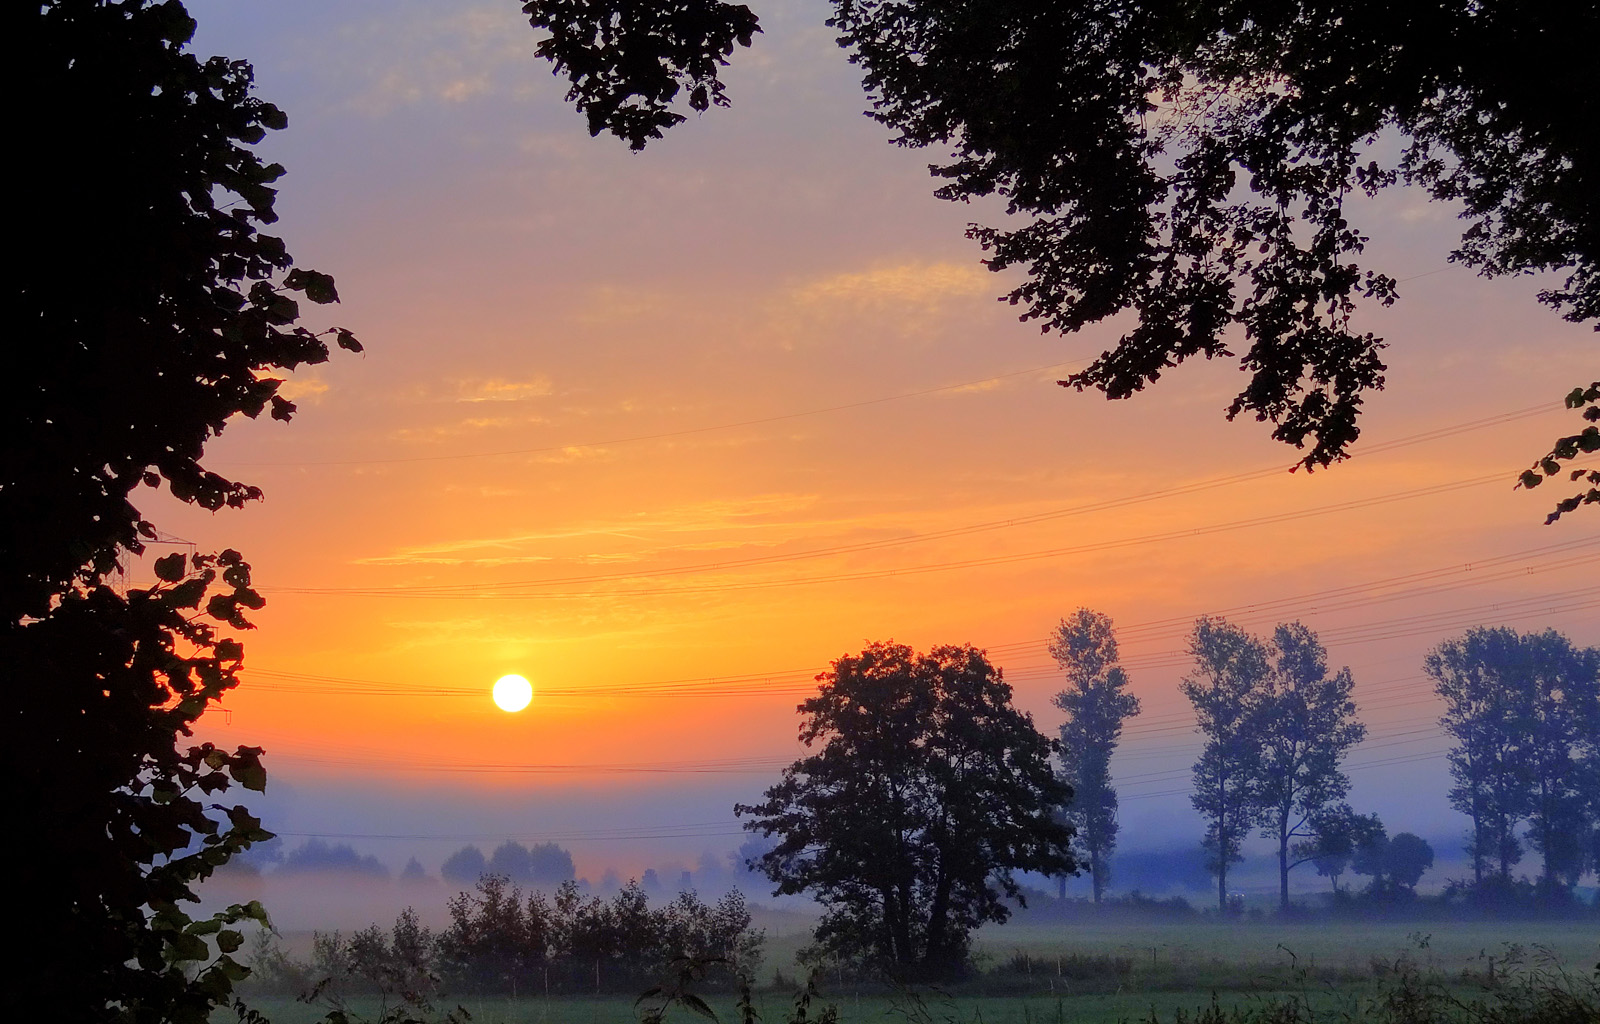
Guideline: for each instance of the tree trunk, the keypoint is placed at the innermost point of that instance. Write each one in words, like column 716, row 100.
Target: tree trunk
column 1544, row 833
column 938, row 946
column 1095, row 875
column 1477, row 843
column 1222, row 874
column 1283, row 865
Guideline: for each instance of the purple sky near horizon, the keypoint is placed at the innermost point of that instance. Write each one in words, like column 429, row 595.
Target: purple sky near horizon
column 762, row 337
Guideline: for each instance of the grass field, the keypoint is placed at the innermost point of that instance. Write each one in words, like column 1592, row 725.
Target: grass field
column 862, row 1009
column 1103, row 973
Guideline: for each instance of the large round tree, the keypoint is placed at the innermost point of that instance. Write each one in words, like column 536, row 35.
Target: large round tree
column 927, row 793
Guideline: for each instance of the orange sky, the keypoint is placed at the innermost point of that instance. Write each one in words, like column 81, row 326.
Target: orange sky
column 727, row 348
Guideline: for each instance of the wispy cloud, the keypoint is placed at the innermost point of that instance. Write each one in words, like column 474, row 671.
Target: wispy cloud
column 915, row 285
column 312, row 388
column 498, row 389
column 412, row 54
column 749, row 515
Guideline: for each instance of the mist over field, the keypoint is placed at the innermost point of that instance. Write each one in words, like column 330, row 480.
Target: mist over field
column 639, row 556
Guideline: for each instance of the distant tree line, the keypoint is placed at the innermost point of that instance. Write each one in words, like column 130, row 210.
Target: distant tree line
column 545, row 865
column 1523, row 710
column 503, row 941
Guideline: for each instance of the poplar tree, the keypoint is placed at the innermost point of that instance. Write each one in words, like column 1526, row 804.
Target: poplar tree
column 1230, row 669
column 1096, row 704
column 1304, row 724
column 1521, row 709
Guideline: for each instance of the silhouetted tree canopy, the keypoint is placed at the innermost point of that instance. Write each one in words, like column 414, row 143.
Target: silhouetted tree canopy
column 1524, row 712
column 123, row 819
column 148, row 309
column 1200, row 166
column 1303, row 723
column 1338, row 838
column 1230, row 667
column 1407, row 858
column 340, row 858
column 628, row 62
column 1570, row 449
column 465, row 866
column 545, row 864
column 1096, row 705
column 154, row 310
column 929, row 791
column 1396, row 863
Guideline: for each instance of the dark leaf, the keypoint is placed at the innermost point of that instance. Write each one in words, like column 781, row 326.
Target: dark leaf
column 170, row 567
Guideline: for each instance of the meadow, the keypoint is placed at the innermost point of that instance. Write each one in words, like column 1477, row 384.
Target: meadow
column 1109, row 972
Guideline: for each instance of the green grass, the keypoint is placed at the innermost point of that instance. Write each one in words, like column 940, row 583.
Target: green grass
column 1165, row 967
column 773, row 1007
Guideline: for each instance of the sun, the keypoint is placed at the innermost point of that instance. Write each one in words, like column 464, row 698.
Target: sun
column 512, row 693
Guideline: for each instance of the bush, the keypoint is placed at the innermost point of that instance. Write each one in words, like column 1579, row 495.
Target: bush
column 502, row 942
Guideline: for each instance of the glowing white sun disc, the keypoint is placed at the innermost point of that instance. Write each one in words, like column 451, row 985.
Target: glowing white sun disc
column 512, row 693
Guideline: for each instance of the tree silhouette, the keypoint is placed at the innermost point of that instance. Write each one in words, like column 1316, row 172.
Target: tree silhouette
column 1339, row 836
column 1085, row 646
column 465, row 866
column 1396, row 863
column 1569, row 449
column 929, row 791
column 1304, row 724
column 150, row 309
column 1407, row 858
column 545, row 864
column 316, row 855
column 1521, row 708
column 1230, row 668
column 1195, row 164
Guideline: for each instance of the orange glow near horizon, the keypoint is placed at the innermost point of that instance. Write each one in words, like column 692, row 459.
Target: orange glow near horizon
column 672, row 431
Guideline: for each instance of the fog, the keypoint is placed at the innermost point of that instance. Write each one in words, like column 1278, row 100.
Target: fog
column 618, row 832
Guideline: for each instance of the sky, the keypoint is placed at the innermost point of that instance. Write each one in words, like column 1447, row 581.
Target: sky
column 668, row 432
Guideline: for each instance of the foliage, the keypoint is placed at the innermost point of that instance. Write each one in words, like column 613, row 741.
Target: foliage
column 189, row 329
column 1085, row 647
column 1230, row 667
column 627, row 62
column 111, row 682
column 1407, row 858
column 1196, row 165
column 1568, row 449
column 465, row 866
column 149, row 312
column 1523, row 710
column 317, row 855
column 544, row 864
column 1303, row 723
column 929, row 791
column 398, row 966
column 1277, row 725
column 501, row 941
column 1340, row 838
